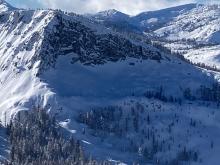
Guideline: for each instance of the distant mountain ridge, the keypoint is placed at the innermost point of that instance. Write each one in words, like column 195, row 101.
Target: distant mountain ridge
column 144, row 21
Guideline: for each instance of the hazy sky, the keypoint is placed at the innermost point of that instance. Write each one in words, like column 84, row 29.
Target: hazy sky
column 90, row 6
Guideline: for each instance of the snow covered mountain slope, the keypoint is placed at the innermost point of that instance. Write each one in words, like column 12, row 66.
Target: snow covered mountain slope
column 200, row 24
column 195, row 34
column 69, row 64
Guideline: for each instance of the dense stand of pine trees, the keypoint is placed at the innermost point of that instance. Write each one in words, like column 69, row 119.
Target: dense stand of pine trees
column 203, row 93
column 160, row 95
column 36, row 139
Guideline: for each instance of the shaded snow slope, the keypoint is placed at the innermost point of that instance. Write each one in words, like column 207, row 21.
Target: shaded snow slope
column 124, row 78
